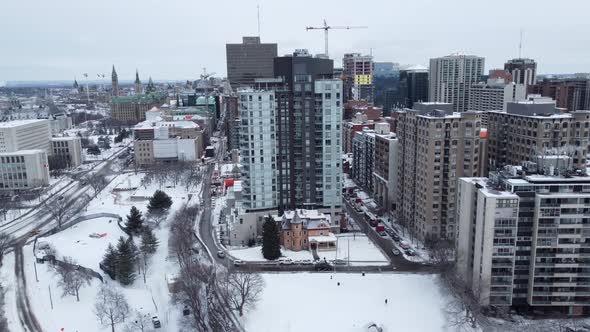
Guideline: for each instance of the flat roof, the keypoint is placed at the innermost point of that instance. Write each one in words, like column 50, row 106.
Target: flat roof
column 22, row 152
column 18, row 123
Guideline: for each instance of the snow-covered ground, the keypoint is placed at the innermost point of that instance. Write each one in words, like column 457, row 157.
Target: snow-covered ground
column 151, row 297
column 315, row 302
column 358, row 248
column 8, row 281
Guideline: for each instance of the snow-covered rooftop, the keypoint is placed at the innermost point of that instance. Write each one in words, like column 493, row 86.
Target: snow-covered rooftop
column 18, row 123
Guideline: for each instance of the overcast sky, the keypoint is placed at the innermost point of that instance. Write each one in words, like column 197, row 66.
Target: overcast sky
column 175, row 39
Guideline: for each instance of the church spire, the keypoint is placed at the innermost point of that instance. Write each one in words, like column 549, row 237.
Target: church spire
column 114, row 83
column 137, row 81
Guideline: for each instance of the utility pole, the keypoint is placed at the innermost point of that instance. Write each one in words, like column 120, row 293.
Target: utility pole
column 50, row 299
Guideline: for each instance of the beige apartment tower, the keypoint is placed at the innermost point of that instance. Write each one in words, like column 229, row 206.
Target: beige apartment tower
column 436, row 147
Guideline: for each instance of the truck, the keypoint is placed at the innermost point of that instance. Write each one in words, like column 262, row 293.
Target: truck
column 380, row 228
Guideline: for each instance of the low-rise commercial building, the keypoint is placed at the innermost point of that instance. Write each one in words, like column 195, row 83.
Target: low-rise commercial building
column 167, row 141
column 23, row 170
column 66, row 152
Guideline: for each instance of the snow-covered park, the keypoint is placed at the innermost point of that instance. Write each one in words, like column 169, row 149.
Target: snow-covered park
column 356, row 249
column 150, row 298
column 301, row 302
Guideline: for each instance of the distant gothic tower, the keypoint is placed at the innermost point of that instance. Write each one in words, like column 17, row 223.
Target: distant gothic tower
column 115, row 83
column 137, row 83
column 151, row 87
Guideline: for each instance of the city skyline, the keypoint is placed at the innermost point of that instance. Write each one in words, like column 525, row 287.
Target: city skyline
column 160, row 40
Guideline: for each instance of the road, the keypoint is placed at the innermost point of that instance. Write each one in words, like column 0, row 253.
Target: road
column 385, row 243
column 26, row 316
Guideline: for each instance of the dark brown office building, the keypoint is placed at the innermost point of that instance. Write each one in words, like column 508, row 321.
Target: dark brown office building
column 249, row 60
column 570, row 93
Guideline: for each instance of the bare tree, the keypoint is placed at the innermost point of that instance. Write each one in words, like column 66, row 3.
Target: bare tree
column 5, row 243
column 111, row 307
column 156, row 217
column 97, row 182
column 72, row 279
column 139, row 323
column 62, row 210
column 242, row 290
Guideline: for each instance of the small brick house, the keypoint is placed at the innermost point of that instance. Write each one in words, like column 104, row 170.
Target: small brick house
column 305, row 229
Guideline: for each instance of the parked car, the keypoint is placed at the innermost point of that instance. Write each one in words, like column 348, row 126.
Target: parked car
column 395, row 252
column 305, row 262
column 404, row 245
column 287, row 261
column 220, row 254
column 323, row 266
column 395, row 237
column 238, row 262
column 410, row 252
column 382, row 233
column 156, row 322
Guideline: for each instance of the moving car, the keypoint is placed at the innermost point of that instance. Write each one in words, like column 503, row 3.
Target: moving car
column 220, row 254
column 305, row 262
column 156, row 322
column 382, row 233
column 395, row 252
column 238, row 262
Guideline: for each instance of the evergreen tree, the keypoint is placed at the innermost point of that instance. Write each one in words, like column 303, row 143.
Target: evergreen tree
column 134, row 221
column 271, row 247
column 126, row 261
column 159, row 201
column 149, row 242
column 109, row 261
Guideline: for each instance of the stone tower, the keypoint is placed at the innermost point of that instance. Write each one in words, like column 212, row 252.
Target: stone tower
column 137, row 87
column 115, row 83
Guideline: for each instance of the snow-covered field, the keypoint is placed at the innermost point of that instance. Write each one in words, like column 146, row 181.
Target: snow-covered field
column 358, row 248
column 8, row 280
column 301, row 302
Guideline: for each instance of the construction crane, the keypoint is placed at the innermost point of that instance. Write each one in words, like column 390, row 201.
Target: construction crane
column 326, row 27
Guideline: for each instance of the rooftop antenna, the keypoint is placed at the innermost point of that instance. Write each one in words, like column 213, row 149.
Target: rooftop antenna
column 258, row 16
column 520, row 45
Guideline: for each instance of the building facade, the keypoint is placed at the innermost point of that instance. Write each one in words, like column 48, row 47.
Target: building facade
column 531, row 127
column 572, row 94
column 132, row 109
column 309, row 116
column 494, row 95
column 358, row 77
column 363, row 158
column 413, row 87
column 114, row 83
column 166, row 141
column 258, row 149
column 249, row 60
column 435, row 148
column 524, row 238
column 25, row 135
column 385, row 169
column 66, row 152
column 451, row 78
column 305, row 229
column 523, row 71
column 23, row 170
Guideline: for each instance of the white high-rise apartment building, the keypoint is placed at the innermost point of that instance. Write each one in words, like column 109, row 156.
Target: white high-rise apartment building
column 25, row 135
column 258, row 149
column 524, row 236
column 329, row 103
column 451, row 78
